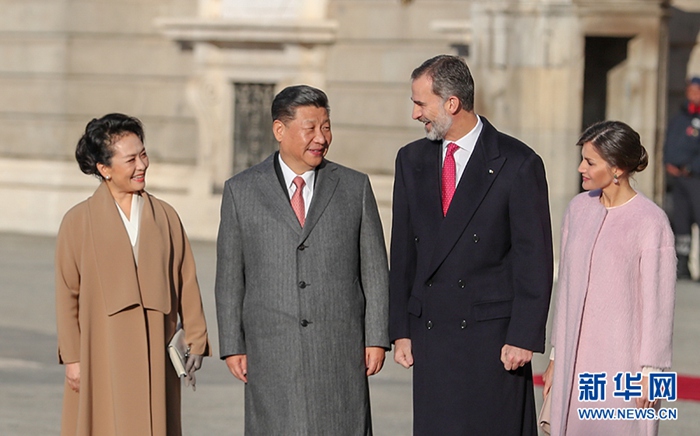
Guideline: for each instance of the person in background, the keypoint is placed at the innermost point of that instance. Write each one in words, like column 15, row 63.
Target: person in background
column 124, row 275
column 615, row 289
column 682, row 161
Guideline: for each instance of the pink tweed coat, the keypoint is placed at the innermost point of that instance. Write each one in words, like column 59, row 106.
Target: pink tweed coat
column 614, row 305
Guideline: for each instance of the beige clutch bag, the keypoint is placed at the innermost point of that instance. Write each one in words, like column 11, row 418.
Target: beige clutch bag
column 178, row 351
column 545, row 414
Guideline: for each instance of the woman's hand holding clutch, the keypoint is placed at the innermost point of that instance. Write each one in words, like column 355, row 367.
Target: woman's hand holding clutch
column 194, row 362
column 547, row 379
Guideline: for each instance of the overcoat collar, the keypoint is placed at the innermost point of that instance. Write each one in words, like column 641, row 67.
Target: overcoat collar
column 123, row 284
column 326, row 182
column 428, row 187
column 324, row 187
column 481, row 171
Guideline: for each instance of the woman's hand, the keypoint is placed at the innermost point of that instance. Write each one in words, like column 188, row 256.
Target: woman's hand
column 547, row 378
column 643, row 401
column 194, row 362
column 73, row 375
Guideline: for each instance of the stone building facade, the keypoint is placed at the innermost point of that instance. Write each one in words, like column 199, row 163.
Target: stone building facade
column 201, row 75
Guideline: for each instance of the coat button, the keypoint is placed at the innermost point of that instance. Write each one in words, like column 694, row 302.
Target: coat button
column 429, row 283
column 464, row 324
column 461, row 283
column 301, row 247
column 417, row 239
column 304, row 323
column 476, row 238
column 302, row 284
column 429, row 325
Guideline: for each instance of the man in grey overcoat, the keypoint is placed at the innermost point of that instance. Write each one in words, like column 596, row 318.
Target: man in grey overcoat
column 302, row 281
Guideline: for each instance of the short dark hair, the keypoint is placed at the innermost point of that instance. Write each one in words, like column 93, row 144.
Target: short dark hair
column 95, row 146
column 450, row 76
column 286, row 102
column 618, row 144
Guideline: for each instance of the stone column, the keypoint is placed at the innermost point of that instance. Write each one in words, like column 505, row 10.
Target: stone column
column 527, row 61
column 694, row 62
column 637, row 86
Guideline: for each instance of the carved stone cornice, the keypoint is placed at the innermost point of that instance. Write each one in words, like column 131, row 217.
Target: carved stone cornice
column 219, row 31
column 629, row 8
column 583, row 7
column 454, row 31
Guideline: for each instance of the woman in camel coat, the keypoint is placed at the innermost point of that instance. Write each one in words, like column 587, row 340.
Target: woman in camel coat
column 616, row 287
column 124, row 272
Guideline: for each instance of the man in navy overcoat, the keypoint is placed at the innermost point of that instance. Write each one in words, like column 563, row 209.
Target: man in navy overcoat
column 471, row 263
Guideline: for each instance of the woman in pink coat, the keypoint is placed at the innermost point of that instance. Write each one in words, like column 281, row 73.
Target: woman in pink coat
column 615, row 291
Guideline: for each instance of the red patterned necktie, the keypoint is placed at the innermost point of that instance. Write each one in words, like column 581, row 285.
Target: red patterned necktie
column 449, row 177
column 298, row 199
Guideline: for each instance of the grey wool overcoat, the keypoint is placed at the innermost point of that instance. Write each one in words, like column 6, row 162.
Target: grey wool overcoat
column 302, row 303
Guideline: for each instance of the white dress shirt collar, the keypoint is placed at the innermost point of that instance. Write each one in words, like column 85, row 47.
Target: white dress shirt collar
column 309, row 178
column 466, row 145
column 133, row 223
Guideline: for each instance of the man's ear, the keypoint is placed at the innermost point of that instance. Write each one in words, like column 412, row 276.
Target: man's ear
column 278, row 129
column 453, row 105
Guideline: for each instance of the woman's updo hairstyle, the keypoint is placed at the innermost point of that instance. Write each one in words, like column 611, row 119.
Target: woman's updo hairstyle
column 618, row 144
column 95, row 146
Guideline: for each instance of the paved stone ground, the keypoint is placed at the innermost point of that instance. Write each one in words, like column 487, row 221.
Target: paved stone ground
column 31, row 381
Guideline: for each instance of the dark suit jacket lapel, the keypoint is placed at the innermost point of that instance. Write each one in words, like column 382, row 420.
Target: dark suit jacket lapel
column 428, row 185
column 481, row 171
column 277, row 198
column 324, row 187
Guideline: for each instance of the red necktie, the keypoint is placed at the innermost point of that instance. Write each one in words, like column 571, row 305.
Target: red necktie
column 298, row 200
column 449, row 177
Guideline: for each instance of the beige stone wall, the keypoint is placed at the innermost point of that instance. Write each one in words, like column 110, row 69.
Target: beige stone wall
column 267, row 42
column 694, row 62
column 527, row 58
column 632, row 99
column 368, row 75
column 173, row 62
column 64, row 62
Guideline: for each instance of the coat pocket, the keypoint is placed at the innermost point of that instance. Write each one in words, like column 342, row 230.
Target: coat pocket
column 415, row 307
column 493, row 310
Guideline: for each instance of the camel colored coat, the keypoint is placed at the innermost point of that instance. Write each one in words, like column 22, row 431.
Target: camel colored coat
column 614, row 306
column 116, row 319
